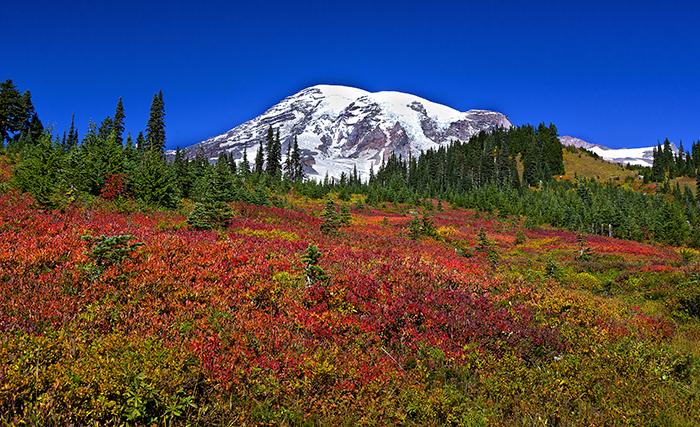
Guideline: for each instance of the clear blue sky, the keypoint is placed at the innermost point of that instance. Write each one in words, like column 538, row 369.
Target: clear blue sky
column 619, row 73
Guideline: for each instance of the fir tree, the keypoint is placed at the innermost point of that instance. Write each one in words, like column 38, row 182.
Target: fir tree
column 154, row 182
column 105, row 129
column 312, row 271
column 415, row 228
column 155, row 128
column 331, row 221
column 273, row 166
column 245, row 165
column 140, row 142
column 259, row 160
column 98, row 158
column 118, row 125
column 182, row 172
column 288, row 172
column 345, row 218
column 12, row 112
column 72, row 137
column 222, row 185
column 41, row 172
column 297, row 167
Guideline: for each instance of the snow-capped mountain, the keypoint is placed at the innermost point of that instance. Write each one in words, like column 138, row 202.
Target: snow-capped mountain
column 339, row 127
column 642, row 156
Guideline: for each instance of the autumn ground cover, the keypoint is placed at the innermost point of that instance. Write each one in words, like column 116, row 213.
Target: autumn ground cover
column 529, row 326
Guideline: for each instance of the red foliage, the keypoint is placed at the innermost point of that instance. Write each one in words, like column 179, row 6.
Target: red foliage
column 114, row 187
column 239, row 301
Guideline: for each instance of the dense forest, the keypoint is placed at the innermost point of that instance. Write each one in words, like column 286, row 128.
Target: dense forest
column 508, row 171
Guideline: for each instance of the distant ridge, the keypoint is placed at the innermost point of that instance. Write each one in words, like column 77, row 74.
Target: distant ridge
column 642, row 156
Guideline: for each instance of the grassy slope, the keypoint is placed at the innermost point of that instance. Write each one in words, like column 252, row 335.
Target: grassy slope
column 582, row 164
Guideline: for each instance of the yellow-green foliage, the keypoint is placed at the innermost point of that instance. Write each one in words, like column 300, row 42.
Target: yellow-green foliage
column 60, row 379
column 269, row 234
column 583, row 165
column 584, row 281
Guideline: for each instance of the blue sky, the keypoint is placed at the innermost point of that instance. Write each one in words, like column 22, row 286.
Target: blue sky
column 620, row 74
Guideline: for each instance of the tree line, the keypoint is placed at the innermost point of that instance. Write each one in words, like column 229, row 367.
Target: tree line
column 507, row 171
column 668, row 164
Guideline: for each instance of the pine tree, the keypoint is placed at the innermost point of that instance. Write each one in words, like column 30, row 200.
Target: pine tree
column 105, row 128
column 245, row 165
column 297, row 167
column 154, row 182
column 72, row 137
column 222, row 184
column 118, row 123
column 41, row 172
column 155, row 128
column 140, row 142
column 97, row 159
column 313, row 272
column 31, row 128
column 288, row 170
column 415, row 228
column 210, row 215
column 182, row 172
column 273, row 166
column 129, row 149
column 11, row 111
column 212, row 211
column 331, row 221
column 260, row 159
column 345, row 218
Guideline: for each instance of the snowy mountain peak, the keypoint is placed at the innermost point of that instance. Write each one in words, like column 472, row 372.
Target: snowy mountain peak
column 642, row 156
column 339, row 127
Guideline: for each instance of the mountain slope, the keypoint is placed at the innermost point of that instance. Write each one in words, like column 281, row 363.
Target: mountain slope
column 339, row 127
column 642, row 156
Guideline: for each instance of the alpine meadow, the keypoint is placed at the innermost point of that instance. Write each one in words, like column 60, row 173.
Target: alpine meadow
column 263, row 241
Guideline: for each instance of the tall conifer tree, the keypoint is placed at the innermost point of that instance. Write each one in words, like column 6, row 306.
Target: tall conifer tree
column 155, row 128
column 118, row 125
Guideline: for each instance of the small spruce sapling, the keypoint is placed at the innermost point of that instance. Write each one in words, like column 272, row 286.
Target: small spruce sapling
column 331, row 221
column 345, row 217
column 312, row 271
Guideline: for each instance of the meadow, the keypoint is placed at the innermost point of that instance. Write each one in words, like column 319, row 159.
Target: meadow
column 110, row 316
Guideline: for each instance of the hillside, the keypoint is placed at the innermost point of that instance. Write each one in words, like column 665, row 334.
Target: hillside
column 504, row 326
column 582, row 164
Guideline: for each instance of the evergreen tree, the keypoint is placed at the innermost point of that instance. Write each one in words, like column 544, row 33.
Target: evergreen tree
column 222, row 185
column 273, row 166
column 154, row 182
column 345, row 218
column 313, row 272
column 288, row 172
column 140, row 142
column 105, row 129
column 72, row 137
column 212, row 212
column 155, row 128
column 182, row 172
column 97, row 159
column 297, row 167
column 260, row 159
column 118, row 123
column 245, row 165
column 331, row 221
column 41, row 172
column 12, row 112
